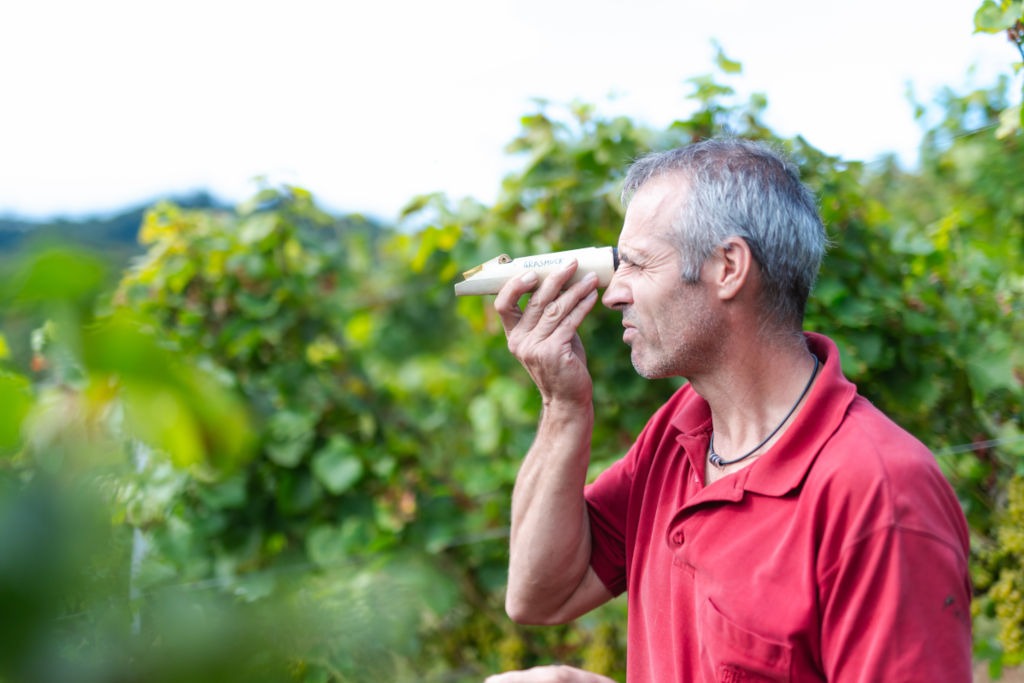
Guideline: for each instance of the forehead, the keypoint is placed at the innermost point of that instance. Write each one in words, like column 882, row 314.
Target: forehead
column 654, row 208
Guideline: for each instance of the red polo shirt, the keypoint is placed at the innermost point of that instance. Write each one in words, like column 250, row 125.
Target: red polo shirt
column 838, row 555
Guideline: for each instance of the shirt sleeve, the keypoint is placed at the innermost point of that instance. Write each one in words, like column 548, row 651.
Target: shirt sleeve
column 897, row 608
column 613, row 498
column 608, row 503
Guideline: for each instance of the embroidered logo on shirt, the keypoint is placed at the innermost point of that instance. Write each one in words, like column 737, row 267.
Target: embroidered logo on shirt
column 730, row 673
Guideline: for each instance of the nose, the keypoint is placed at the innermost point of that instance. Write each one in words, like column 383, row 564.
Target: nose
column 617, row 294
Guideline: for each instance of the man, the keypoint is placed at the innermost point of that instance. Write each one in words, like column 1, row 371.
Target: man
column 769, row 524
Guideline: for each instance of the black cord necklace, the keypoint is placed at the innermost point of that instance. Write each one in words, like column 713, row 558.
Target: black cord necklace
column 716, row 460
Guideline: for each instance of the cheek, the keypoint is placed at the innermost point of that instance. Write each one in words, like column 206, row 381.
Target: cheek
column 684, row 318
column 666, row 326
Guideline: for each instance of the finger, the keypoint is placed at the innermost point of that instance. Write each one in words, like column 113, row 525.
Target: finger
column 547, row 292
column 534, row 675
column 549, row 674
column 507, row 301
column 563, row 316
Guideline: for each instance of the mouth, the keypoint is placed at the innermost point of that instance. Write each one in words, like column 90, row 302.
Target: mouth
column 628, row 332
column 629, row 328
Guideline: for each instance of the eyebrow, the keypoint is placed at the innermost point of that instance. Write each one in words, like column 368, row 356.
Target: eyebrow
column 629, row 255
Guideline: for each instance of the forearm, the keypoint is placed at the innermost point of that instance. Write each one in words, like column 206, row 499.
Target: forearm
column 550, row 536
column 550, row 580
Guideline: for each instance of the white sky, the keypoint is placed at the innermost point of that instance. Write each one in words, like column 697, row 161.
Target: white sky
column 107, row 103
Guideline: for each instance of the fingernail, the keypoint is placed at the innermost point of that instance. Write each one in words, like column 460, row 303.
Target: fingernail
column 590, row 277
column 529, row 278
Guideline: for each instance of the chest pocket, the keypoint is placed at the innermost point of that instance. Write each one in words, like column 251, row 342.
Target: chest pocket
column 733, row 654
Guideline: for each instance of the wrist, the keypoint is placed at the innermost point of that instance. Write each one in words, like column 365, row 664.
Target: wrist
column 568, row 409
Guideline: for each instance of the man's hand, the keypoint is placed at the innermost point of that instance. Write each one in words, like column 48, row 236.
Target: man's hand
column 542, row 335
column 549, row 674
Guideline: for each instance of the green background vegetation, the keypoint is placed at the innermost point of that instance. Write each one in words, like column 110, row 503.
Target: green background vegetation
column 269, row 443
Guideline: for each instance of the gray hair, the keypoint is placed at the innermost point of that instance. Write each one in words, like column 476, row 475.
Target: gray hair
column 747, row 189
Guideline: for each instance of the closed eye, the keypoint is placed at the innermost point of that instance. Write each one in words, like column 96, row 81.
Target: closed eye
column 625, row 260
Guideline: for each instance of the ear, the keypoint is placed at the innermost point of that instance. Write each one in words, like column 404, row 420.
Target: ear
column 735, row 268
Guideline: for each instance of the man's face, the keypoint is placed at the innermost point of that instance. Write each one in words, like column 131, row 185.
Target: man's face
column 670, row 325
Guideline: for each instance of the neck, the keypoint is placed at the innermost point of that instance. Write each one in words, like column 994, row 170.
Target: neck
column 758, row 392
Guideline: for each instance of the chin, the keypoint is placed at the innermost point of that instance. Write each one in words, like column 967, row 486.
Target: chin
column 655, row 367
column 648, row 371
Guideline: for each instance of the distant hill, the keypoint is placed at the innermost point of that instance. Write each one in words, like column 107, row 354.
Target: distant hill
column 114, row 233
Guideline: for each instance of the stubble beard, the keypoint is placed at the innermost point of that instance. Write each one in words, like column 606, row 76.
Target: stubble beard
column 690, row 348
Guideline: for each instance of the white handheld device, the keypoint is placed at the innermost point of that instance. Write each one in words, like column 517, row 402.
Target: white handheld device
column 488, row 277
